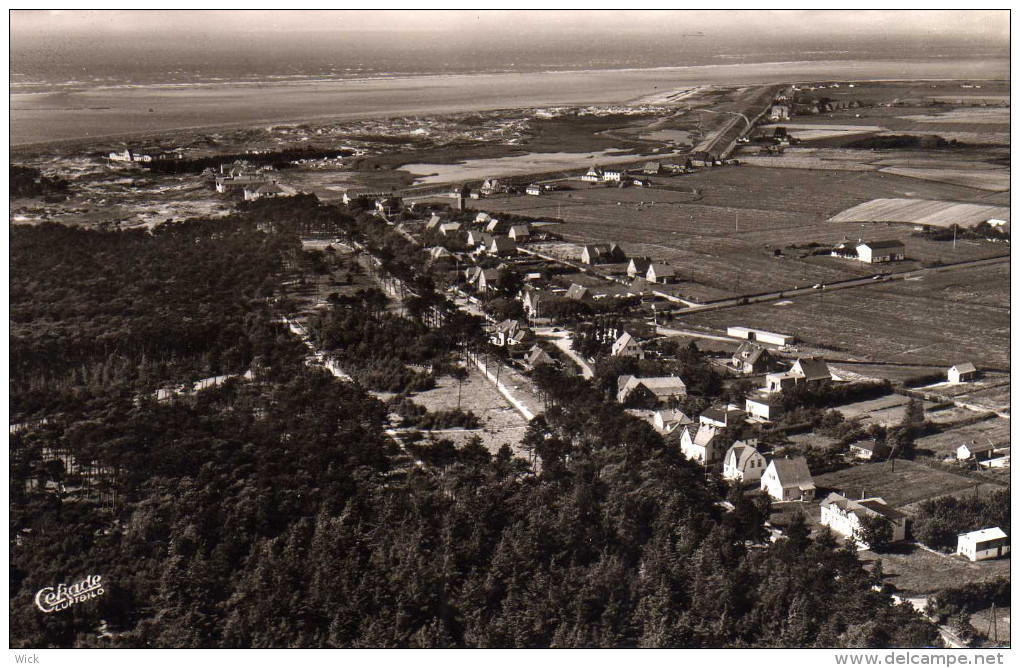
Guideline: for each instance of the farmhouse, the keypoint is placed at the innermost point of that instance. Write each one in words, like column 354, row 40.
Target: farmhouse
column 493, row 187
column 703, row 447
column 652, row 168
column 984, row 544
column 722, row 416
column 638, row 266
column 535, row 189
column 649, row 391
column 520, row 233
column 660, row 273
column 881, row 251
column 613, row 175
column 977, row 452
column 440, row 256
column 668, row 420
column 962, row 373
column 844, row 516
column 779, row 112
column 743, row 462
column 760, row 408
column 594, row 175
column 788, row 479
column 752, row 358
column 760, row 335
column 449, row 229
column 869, row 450
column 627, row 346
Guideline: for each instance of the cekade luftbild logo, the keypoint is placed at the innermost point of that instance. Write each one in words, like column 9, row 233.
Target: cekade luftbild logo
column 61, row 597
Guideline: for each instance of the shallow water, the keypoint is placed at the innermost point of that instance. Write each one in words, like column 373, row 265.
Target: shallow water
column 116, row 111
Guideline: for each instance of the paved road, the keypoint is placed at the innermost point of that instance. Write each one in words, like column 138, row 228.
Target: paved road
column 838, row 285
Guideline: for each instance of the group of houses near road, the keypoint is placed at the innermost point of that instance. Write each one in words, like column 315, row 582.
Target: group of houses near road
column 253, row 182
column 622, row 177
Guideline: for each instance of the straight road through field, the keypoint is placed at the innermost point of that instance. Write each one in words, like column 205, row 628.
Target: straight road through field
column 838, row 285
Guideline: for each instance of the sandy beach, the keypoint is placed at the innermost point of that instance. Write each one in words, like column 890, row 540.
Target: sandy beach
column 111, row 112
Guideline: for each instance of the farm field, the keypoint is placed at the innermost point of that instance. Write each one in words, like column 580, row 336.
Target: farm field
column 986, row 286
column 723, row 244
column 938, row 213
column 873, row 324
column 983, row 179
column 995, row 429
column 909, row 483
column 919, row 572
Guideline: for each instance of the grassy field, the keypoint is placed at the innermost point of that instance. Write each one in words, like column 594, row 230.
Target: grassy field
column 874, row 324
column 981, row 621
column 995, row 430
column 723, row 243
column 909, row 483
column 919, row 572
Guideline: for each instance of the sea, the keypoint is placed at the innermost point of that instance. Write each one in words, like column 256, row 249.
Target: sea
column 75, row 90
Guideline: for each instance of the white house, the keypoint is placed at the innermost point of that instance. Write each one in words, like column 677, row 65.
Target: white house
column 881, row 251
column 808, row 370
column 743, row 462
column 788, row 479
column 984, row 544
column 535, row 189
column 976, row 451
column 702, row 447
column 660, row 273
column 638, row 266
column 761, row 408
column 612, row 175
column 844, row 517
column 668, row 420
column 593, row 175
column 502, row 246
column 962, row 373
column 627, row 346
column 449, row 229
column 519, row 233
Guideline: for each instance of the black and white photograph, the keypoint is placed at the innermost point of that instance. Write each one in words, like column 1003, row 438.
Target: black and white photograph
column 416, row 329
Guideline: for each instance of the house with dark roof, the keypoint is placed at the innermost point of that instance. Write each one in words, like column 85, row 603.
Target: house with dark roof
column 489, row 279
column 752, row 358
column 602, row 254
column 788, row 479
column 502, row 246
column 519, row 233
column 660, row 273
column 722, row 416
column 639, row 266
column 652, row 168
column 873, row 252
column 808, row 370
column 975, row 451
column 651, row 391
column 579, row 293
column 510, row 333
column 961, row 373
column 668, row 420
column 538, row 357
column 594, row 175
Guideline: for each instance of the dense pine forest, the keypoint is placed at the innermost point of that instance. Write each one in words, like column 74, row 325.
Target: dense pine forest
column 272, row 510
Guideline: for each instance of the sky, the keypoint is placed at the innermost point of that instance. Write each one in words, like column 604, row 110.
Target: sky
column 42, row 24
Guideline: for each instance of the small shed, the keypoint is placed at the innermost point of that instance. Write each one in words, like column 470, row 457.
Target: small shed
column 961, row 373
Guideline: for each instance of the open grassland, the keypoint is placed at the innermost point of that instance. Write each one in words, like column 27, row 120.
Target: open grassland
column 912, row 211
column 985, row 286
column 724, row 243
column 919, row 572
column 982, row 623
column 873, row 324
column 983, row 179
column 907, row 483
column 995, row 430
